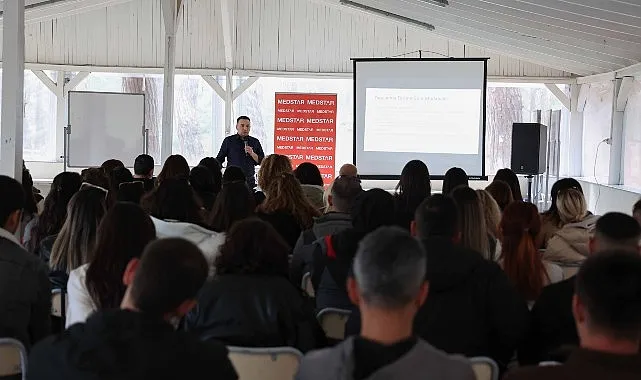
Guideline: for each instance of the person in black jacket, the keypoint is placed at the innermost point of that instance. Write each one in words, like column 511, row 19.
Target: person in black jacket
column 139, row 341
column 472, row 309
column 250, row 302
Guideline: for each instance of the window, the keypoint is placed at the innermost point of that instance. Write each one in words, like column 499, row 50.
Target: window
column 596, row 127
column 40, row 105
column 632, row 138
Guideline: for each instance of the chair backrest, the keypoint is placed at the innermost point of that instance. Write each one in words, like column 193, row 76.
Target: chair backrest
column 333, row 322
column 13, row 358
column 307, row 285
column 485, row 368
column 278, row 363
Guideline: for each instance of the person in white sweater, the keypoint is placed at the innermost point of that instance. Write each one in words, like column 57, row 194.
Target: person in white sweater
column 123, row 234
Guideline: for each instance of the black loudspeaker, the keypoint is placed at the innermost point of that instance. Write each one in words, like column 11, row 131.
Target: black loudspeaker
column 529, row 148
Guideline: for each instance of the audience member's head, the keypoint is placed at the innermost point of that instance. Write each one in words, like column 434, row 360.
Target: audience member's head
column 373, row 209
column 176, row 167
column 64, row 186
column 636, row 211
column 30, row 204
column 271, row 168
column 349, row 170
column 110, row 165
column 501, row 193
column 118, row 176
column 474, row 233
column 521, row 260
column 509, row 177
column 253, row 247
column 164, row 283
column 414, row 185
column 343, row 194
column 11, row 204
column 308, row 174
column 615, row 231
column 96, row 177
column 131, row 192
column 285, row 194
column 234, row 174
column 234, row 202
column 202, row 180
column 144, row 166
column 559, row 186
column 607, row 303
column 173, row 199
column 75, row 243
column 437, row 217
column 122, row 235
column 454, row 177
column 389, row 277
column 216, row 170
column 491, row 211
column 571, row 206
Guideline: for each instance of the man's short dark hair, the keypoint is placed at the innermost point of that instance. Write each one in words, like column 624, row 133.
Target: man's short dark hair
column 242, row 118
column 345, row 190
column 609, row 286
column 619, row 231
column 143, row 164
column 389, row 268
column 437, row 216
column 171, row 271
column 12, row 198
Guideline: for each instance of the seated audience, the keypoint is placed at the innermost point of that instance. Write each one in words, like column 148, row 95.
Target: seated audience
column 553, row 329
column 492, row 214
column 312, row 184
column 271, row 168
column 509, row 177
column 109, row 165
column 348, row 170
column 569, row 246
column 501, row 193
column 520, row 259
column 235, row 202
column 139, row 341
column 388, row 285
column 636, row 211
column 50, row 221
column 607, row 310
column 286, row 208
column 472, row 308
column 333, row 254
column 550, row 218
column 201, row 180
column 175, row 211
column 250, row 302
column 474, row 232
column 95, row 177
column 131, row 192
column 117, row 177
column 454, row 178
column 175, row 167
column 30, row 210
column 412, row 189
column 216, row 170
column 123, row 234
column 75, row 244
column 144, row 171
column 344, row 192
column 25, row 300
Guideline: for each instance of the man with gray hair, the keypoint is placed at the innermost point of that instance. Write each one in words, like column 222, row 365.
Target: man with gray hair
column 388, row 284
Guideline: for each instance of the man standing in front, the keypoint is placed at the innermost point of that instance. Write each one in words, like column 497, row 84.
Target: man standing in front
column 242, row 150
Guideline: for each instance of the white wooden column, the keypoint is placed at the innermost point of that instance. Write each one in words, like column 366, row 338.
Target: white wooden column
column 12, row 89
column 61, row 114
column 578, row 97
column 171, row 10
column 615, row 175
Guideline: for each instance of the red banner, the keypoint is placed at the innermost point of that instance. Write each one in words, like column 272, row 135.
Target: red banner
column 305, row 130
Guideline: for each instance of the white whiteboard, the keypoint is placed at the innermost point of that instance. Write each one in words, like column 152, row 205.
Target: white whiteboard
column 103, row 126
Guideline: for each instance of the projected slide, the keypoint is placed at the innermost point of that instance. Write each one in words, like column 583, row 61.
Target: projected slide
column 422, row 120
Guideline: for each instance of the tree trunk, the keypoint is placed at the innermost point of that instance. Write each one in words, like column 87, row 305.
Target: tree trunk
column 504, row 107
column 153, row 108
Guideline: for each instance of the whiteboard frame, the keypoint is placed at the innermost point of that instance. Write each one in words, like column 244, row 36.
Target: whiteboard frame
column 67, row 128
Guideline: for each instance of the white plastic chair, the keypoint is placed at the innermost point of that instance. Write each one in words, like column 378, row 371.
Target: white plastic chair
column 485, row 368
column 307, row 285
column 13, row 358
column 277, row 363
column 333, row 322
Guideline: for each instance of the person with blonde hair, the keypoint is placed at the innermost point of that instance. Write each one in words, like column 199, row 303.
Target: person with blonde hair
column 271, row 167
column 286, row 207
column 492, row 213
column 569, row 246
column 474, row 234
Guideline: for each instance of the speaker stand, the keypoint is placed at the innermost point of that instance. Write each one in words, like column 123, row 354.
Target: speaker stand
column 529, row 187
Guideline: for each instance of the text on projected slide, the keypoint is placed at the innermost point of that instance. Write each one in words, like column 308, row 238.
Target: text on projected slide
column 423, row 120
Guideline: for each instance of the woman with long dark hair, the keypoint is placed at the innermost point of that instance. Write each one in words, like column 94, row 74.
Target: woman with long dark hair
column 202, row 181
column 251, row 302
column 509, row 177
column 454, row 177
column 175, row 167
column 311, row 182
column 412, row 189
column 520, row 257
column 123, row 234
column 234, row 202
